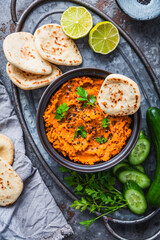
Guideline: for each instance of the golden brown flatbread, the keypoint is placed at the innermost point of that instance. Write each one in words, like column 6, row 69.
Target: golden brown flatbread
column 54, row 46
column 11, row 184
column 119, row 95
column 19, row 49
column 29, row 81
column 6, row 149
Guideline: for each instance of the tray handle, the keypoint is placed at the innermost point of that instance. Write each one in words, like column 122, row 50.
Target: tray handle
column 117, row 236
column 13, row 11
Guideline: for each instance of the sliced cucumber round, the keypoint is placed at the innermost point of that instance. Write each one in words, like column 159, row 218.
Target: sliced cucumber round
column 121, row 164
column 140, row 152
column 125, row 174
column 135, row 198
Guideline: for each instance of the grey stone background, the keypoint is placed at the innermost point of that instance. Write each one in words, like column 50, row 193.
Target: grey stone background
column 147, row 36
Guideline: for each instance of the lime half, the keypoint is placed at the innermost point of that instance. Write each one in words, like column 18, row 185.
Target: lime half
column 104, row 37
column 76, row 22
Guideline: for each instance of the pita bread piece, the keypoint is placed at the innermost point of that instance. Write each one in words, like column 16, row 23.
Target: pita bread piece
column 119, row 96
column 28, row 81
column 19, row 49
column 11, row 185
column 6, row 149
column 54, row 46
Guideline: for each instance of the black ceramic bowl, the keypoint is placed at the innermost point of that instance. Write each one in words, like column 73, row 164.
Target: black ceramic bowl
column 66, row 162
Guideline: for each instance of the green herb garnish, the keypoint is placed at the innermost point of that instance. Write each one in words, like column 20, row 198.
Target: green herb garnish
column 80, row 131
column 97, row 193
column 84, row 97
column 61, row 111
column 105, row 122
column 101, row 140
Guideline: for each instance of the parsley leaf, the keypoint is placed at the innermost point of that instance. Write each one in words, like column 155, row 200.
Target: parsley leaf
column 61, row 111
column 80, row 131
column 101, row 140
column 63, row 169
column 80, row 204
column 105, row 122
column 84, row 97
column 82, row 92
column 92, row 99
column 81, row 99
column 85, row 104
column 97, row 191
column 87, row 223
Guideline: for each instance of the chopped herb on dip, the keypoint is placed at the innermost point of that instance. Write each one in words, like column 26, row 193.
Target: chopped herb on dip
column 61, row 111
column 80, row 131
column 84, row 97
column 101, row 140
column 105, row 122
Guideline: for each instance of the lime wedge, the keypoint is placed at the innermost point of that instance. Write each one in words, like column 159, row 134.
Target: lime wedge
column 76, row 22
column 104, row 37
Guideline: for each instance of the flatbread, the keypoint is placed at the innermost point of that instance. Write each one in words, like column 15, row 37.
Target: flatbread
column 28, row 81
column 19, row 49
column 6, row 149
column 11, row 185
column 54, row 46
column 119, row 95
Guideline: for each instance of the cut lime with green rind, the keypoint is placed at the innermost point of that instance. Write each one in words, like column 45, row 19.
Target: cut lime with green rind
column 76, row 22
column 104, row 37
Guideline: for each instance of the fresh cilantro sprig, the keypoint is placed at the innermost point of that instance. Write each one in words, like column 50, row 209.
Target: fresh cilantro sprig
column 84, row 97
column 101, row 140
column 105, row 122
column 97, row 192
column 61, row 111
column 80, row 131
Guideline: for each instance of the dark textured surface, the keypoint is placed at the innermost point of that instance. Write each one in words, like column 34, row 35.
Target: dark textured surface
column 146, row 35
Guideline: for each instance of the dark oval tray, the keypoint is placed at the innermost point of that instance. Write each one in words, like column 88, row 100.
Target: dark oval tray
column 126, row 59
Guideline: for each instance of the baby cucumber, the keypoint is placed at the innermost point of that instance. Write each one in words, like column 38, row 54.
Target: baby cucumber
column 125, row 174
column 135, row 197
column 140, row 151
column 153, row 122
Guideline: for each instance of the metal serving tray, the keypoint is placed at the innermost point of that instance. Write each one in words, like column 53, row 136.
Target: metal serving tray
column 127, row 59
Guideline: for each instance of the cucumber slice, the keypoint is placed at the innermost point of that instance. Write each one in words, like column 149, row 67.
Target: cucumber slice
column 139, row 168
column 121, row 164
column 135, row 198
column 125, row 174
column 140, row 152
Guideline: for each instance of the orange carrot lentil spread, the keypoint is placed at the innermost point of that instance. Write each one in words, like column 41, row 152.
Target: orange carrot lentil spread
column 60, row 133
